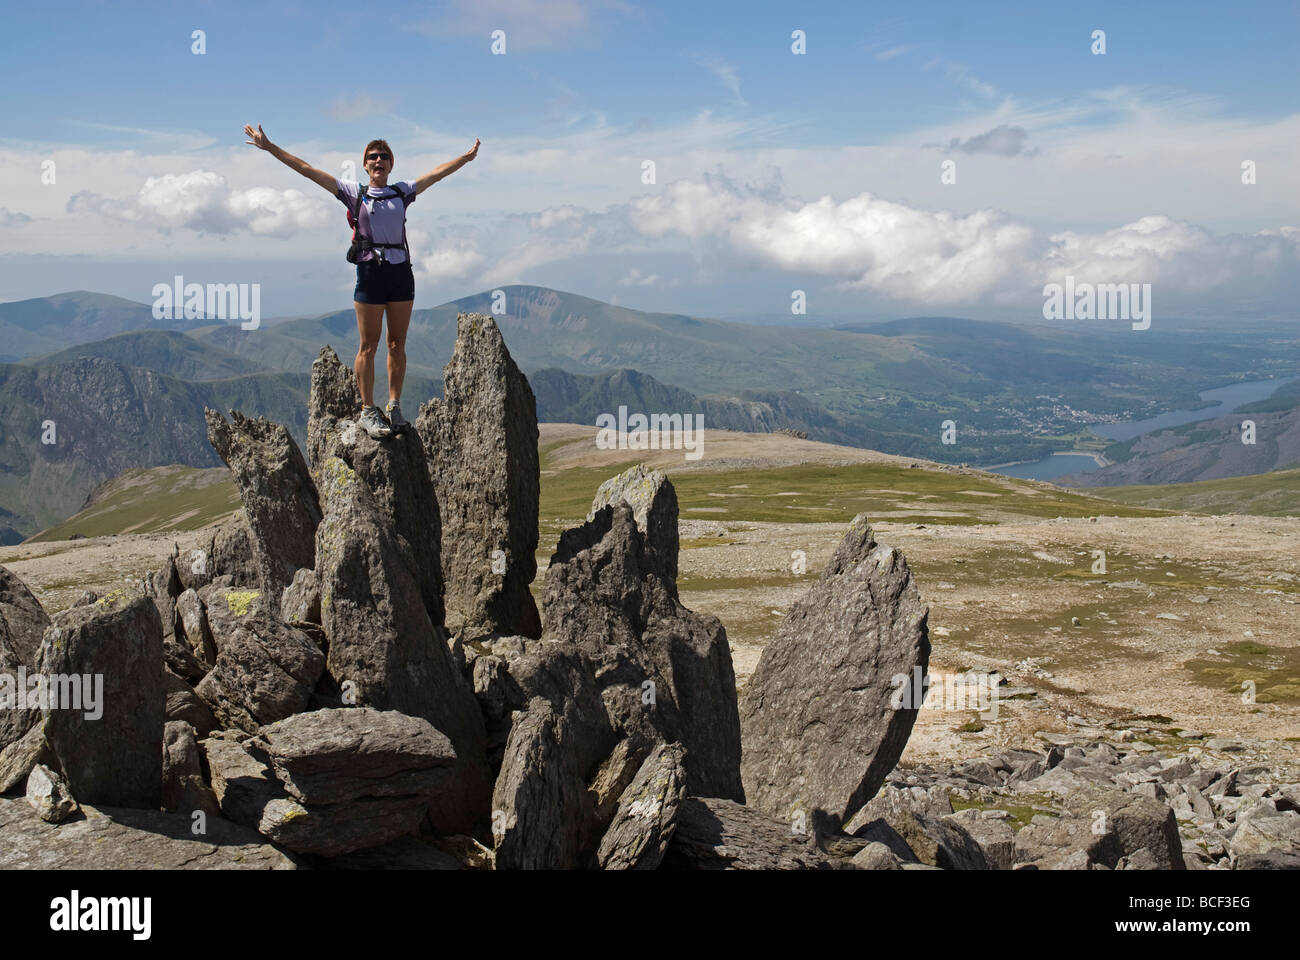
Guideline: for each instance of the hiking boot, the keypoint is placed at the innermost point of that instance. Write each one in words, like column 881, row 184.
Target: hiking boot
column 372, row 421
column 395, row 419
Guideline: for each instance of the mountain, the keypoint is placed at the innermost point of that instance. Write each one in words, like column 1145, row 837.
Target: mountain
column 1205, row 450
column 164, row 351
column 32, row 327
column 1275, row 494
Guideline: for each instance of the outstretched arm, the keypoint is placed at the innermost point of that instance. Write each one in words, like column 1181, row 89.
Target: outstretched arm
column 447, row 169
column 260, row 140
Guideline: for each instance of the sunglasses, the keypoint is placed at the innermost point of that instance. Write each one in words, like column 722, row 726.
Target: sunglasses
column 379, row 156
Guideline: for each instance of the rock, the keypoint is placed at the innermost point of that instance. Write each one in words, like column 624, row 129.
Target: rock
column 184, row 787
column 665, row 672
column 164, row 586
column 333, row 756
column 1274, row 859
column 265, row 669
column 876, row 856
column 279, row 497
column 996, row 838
column 826, row 714
column 115, row 759
column 383, row 648
column 879, row 832
column 194, row 628
column 1103, row 826
column 180, row 659
column 394, row 471
column 23, row 622
column 1223, row 745
column 378, row 772
column 404, row 853
column 19, row 758
column 300, row 602
column 110, row 838
column 48, row 794
column 184, row 704
column 1141, row 859
column 1262, row 834
column 543, row 814
column 481, row 440
column 715, row 834
column 654, row 508
column 230, row 554
column 644, row 823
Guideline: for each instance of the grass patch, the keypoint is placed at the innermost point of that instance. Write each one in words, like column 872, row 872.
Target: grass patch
column 1275, row 671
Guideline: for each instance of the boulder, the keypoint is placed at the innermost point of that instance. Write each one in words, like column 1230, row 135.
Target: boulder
column 395, row 471
column 876, row 856
column 184, row 788
column 184, row 704
column 644, row 823
column 265, row 669
column 481, row 441
column 384, row 651
column 193, row 628
column 279, row 497
column 300, row 602
column 22, row 625
column 19, row 758
column 714, row 834
column 995, row 836
column 665, row 672
column 829, row 708
column 110, row 838
column 49, row 796
column 115, row 758
column 332, row 782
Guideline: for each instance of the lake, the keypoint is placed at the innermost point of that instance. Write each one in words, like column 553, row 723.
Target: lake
column 1224, row 400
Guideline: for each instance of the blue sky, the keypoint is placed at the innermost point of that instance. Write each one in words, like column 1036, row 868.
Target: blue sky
column 774, row 171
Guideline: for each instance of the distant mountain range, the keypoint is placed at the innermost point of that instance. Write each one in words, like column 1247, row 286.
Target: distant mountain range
column 126, row 390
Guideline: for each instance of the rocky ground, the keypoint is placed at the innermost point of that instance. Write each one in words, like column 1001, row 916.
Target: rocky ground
column 1139, row 714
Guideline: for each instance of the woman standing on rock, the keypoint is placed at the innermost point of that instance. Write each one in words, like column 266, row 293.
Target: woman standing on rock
column 385, row 281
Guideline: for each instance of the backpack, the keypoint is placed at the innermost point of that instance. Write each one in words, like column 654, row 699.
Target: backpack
column 360, row 243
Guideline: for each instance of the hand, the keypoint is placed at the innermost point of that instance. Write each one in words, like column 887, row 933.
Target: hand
column 474, row 150
column 257, row 138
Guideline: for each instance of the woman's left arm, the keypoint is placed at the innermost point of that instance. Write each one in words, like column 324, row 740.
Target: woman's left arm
column 436, row 174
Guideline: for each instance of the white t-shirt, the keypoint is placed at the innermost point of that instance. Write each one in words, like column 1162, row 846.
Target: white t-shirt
column 381, row 220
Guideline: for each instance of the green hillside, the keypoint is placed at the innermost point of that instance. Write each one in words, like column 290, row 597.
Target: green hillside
column 1275, row 494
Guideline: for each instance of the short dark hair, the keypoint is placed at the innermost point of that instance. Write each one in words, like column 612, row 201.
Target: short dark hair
column 382, row 144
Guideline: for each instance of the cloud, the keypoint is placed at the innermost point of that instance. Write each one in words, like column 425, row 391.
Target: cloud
column 728, row 74
column 962, row 74
column 527, row 23
column 1003, row 141
column 635, row 278
column 453, row 261
column 203, row 202
column 358, row 108
column 869, row 243
column 11, row 218
column 892, row 52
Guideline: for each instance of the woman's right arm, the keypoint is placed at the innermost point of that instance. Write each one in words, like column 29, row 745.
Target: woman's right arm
column 260, row 140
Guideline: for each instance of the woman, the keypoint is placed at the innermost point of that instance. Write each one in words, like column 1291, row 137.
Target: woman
column 384, row 278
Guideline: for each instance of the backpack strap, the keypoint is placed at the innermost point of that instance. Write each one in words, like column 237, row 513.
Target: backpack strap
column 368, row 243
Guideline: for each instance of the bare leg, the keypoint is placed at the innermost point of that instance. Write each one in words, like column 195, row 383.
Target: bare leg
column 370, row 323
column 399, row 320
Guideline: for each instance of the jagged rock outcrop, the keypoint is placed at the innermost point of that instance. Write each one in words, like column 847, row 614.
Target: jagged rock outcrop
column 828, row 711
column 654, row 508
column 647, row 811
column 664, row 671
column 331, row 782
column 265, row 669
column 481, row 441
column 383, row 647
column 395, row 471
column 116, row 758
column 192, row 627
column 184, row 704
column 279, row 497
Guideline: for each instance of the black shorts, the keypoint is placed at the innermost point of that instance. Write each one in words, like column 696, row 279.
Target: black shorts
column 379, row 282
